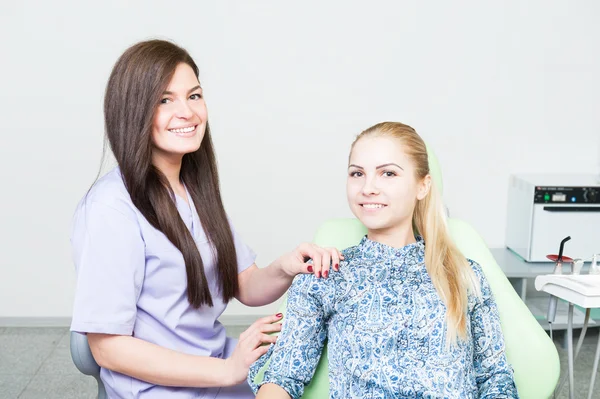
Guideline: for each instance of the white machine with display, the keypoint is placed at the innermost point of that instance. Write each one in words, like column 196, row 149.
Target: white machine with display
column 543, row 209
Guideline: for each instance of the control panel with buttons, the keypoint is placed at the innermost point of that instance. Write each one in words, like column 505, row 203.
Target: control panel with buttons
column 567, row 195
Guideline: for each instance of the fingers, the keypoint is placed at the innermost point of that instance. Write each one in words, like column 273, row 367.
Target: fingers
column 323, row 259
column 264, row 324
column 258, row 352
column 270, row 328
column 318, row 257
column 315, row 255
column 335, row 258
column 260, row 339
column 254, row 347
column 256, row 340
column 325, row 262
column 267, row 320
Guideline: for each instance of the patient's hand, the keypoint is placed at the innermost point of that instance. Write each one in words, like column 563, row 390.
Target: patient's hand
column 272, row 391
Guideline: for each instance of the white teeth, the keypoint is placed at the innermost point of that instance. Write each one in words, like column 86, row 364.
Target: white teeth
column 373, row 206
column 184, row 130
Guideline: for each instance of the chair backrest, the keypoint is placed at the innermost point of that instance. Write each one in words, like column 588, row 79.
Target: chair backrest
column 529, row 349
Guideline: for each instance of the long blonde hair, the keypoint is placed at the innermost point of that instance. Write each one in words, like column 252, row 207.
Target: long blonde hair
column 450, row 272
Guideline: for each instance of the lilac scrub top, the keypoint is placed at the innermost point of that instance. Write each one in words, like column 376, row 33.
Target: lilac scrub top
column 131, row 280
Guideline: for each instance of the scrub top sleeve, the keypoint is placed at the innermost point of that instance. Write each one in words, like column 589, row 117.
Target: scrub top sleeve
column 109, row 255
column 245, row 255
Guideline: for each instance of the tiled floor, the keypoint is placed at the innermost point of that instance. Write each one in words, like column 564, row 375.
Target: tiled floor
column 35, row 363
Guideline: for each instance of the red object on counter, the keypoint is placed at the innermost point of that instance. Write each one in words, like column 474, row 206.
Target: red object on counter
column 554, row 258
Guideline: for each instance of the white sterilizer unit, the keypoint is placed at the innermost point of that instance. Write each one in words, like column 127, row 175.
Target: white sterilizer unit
column 544, row 209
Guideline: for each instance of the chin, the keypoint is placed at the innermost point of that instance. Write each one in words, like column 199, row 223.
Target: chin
column 372, row 223
column 185, row 150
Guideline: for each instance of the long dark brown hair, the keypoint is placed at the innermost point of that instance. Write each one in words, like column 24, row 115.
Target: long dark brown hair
column 133, row 92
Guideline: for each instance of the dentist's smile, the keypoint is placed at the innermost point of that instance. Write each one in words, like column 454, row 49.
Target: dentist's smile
column 188, row 131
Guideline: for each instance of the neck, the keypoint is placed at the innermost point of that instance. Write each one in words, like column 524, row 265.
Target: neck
column 171, row 168
column 397, row 237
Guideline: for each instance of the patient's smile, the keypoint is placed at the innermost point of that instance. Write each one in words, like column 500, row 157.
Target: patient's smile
column 373, row 206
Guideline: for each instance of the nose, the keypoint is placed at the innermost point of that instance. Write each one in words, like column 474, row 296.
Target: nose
column 370, row 187
column 184, row 111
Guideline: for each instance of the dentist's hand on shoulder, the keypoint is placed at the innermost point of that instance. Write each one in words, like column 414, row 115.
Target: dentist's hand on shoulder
column 310, row 258
column 261, row 286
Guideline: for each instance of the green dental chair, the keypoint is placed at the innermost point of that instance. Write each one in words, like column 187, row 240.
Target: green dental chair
column 529, row 350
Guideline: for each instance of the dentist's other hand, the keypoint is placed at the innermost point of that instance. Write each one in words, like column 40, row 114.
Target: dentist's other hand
column 252, row 344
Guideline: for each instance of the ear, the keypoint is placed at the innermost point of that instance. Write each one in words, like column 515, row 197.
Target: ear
column 424, row 187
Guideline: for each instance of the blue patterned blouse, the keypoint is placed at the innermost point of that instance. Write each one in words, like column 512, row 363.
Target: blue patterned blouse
column 385, row 327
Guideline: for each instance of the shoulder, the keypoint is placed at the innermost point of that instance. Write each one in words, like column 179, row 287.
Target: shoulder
column 476, row 267
column 312, row 284
column 482, row 289
column 350, row 254
column 479, row 273
column 307, row 285
column 108, row 194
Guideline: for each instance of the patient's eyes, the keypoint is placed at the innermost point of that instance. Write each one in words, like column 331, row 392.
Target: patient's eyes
column 385, row 173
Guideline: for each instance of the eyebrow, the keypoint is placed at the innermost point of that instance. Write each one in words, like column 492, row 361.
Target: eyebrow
column 378, row 167
column 170, row 93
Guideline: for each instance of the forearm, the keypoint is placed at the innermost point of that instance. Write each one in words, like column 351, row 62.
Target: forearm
column 263, row 286
column 157, row 365
column 272, row 391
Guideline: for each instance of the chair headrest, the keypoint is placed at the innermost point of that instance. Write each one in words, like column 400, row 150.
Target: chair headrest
column 435, row 170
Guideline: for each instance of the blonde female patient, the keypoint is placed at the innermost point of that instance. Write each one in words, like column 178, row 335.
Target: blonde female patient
column 407, row 316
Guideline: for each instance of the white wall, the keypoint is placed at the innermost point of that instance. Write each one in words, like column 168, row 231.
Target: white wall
column 496, row 89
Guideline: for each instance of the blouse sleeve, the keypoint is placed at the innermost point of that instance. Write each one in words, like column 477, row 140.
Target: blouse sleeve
column 294, row 357
column 493, row 373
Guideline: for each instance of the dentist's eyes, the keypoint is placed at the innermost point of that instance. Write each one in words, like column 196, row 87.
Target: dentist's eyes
column 389, row 173
column 356, row 173
column 195, row 96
